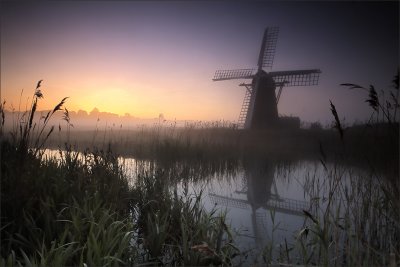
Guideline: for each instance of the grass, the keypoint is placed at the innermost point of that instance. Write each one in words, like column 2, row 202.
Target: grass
column 354, row 219
column 81, row 209
column 176, row 230
column 224, row 146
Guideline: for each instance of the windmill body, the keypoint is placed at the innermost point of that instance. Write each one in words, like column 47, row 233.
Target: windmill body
column 260, row 105
column 265, row 110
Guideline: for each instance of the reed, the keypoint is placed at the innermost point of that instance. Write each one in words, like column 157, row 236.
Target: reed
column 81, row 209
column 353, row 219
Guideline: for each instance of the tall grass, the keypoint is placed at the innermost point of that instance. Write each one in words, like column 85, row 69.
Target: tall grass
column 175, row 229
column 80, row 209
column 37, row 192
column 353, row 220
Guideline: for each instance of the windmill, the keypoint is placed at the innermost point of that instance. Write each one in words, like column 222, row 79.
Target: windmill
column 261, row 192
column 260, row 104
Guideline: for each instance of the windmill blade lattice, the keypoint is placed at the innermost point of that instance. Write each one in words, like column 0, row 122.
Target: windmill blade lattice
column 229, row 202
column 221, row 75
column 283, row 205
column 268, row 47
column 246, row 105
column 296, row 77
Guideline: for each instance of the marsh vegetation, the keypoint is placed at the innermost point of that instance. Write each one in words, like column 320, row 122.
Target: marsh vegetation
column 83, row 204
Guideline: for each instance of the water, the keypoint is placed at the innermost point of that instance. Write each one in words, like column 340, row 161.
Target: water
column 254, row 198
column 264, row 200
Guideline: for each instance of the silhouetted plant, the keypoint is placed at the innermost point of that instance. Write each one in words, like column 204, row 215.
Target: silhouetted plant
column 337, row 123
column 3, row 119
column 387, row 107
column 23, row 136
column 78, row 209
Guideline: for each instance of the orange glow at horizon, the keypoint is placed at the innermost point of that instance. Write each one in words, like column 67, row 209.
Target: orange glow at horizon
column 137, row 99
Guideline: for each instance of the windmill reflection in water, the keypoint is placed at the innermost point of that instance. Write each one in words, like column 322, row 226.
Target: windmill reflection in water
column 259, row 187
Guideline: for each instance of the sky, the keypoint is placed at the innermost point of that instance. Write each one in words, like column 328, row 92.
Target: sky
column 147, row 58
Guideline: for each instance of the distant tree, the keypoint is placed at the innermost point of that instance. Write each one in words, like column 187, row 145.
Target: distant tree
column 72, row 113
column 94, row 112
column 316, row 126
column 108, row 115
column 82, row 113
column 161, row 118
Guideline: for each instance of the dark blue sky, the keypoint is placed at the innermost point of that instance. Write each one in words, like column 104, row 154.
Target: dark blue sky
column 163, row 54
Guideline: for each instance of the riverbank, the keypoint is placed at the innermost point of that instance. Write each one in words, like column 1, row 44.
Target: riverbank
column 81, row 208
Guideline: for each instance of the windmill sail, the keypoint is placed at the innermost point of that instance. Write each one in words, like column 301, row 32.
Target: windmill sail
column 247, row 107
column 296, row 77
column 268, row 47
column 221, row 75
column 284, row 205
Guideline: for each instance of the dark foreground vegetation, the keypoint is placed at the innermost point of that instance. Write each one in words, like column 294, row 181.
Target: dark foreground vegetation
column 80, row 209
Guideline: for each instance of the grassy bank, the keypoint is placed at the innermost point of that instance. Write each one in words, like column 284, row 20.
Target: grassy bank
column 376, row 143
column 79, row 209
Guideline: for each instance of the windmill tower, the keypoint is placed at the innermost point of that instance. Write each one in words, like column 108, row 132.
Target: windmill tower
column 260, row 104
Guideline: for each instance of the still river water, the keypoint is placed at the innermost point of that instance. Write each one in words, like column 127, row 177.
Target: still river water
column 264, row 200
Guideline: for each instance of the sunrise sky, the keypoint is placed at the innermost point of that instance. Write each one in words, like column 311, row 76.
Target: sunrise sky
column 147, row 58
